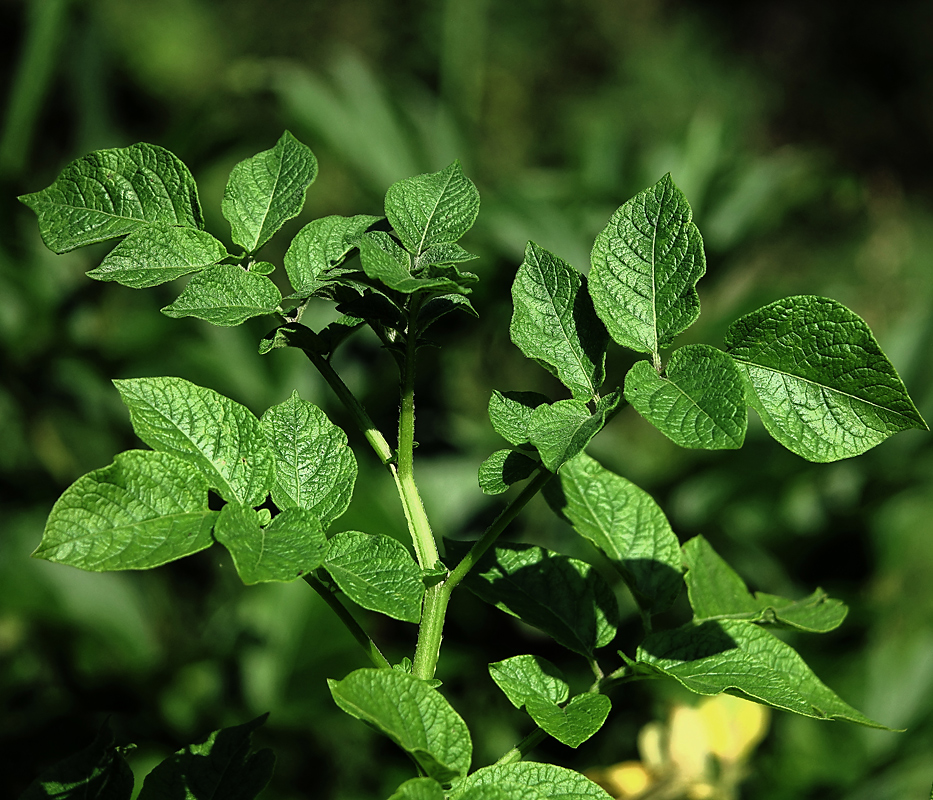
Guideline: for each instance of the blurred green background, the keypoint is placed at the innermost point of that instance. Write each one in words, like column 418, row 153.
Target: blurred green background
column 802, row 134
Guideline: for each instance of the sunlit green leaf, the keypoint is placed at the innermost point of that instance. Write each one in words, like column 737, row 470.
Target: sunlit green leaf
column 503, row 468
column 645, row 266
column 226, row 295
column 533, row 780
column 510, row 414
column 698, row 402
column 818, row 379
column 561, row 430
column 110, row 193
column 412, row 714
column 376, row 572
column 218, row 435
column 554, row 323
column 267, row 190
column 521, row 677
column 573, row 723
column 159, row 253
column 386, row 262
column 142, row 511
column 319, row 246
column 419, row 789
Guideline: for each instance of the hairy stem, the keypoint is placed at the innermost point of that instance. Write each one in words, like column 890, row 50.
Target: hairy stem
column 522, row 749
column 349, row 620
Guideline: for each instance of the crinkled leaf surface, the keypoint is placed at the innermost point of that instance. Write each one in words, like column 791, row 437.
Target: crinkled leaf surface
column 717, row 592
column 510, row 414
column 419, row 789
column 564, row 597
column 290, row 546
column 446, row 254
column 267, row 190
column 432, row 209
column 142, row 511
column 376, row 572
column 110, row 193
column 573, row 723
column 818, row 379
column 645, row 266
column 312, row 465
column 441, row 305
column 415, row 716
column 533, row 780
column 747, row 660
column 159, row 253
column 222, row 767
column 98, row 772
column 319, row 246
column 386, row 262
column 563, row 429
column 522, row 677
column 503, row 468
column 218, row 435
column 226, row 295
column 553, row 322
column 699, row 401
column 625, row 523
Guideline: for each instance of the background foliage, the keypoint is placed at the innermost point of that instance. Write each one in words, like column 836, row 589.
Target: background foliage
column 796, row 130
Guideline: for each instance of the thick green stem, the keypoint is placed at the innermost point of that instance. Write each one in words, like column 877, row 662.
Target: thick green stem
column 348, row 619
column 522, row 749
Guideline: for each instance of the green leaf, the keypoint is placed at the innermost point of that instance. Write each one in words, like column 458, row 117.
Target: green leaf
column 699, row 401
column 573, row 723
column 98, row 772
column 498, row 793
column 523, row 677
column 157, row 254
column 564, row 597
column 446, row 254
column 412, row 714
column 312, row 466
column 290, row 546
column 510, row 414
column 626, row 524
column 110, row 193
column 218, row 435
column 223, row 766
column 376, row 572
column 267, row 190
column 439, row 306
column 645, row 266
column 226, row 295
column 717, row 592
column 142, row 511
column 419, row 789
column 563, row 429
column 432, row 209
column 386, row 262
column 503, row 468
column 532, row 780
column 818, row 379
column 319, row 246
column 746, row 660
column 553, row 322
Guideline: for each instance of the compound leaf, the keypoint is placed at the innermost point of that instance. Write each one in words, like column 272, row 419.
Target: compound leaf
column 142, row 511
column 746, row 660
column 523, row 677
column 625, row 523
column 98, row 772
column 312, row 465
column 533, row 780
column 226, row 295
column 267, row 190
column 218, row 435
column 645, row 266
column 157, row 254
column 432, row 209
column 319, row 246
column 717, row 592
column 412, row 714
column 699, row 401
column 564, row 597
column 818, row 379
column 110, row 193
column 290, row 546
column 223, row 766
column 553, row 322
column 376, row 572
column 573, row 723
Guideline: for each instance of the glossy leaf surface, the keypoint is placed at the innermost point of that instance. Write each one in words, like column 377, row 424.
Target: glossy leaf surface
column 226, row 295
